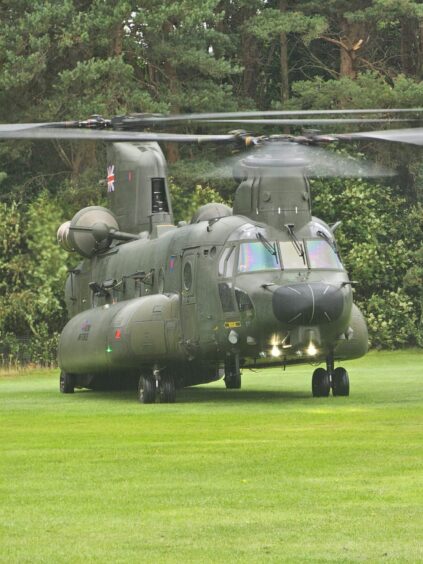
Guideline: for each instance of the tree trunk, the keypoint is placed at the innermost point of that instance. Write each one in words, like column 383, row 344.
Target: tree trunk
column 249, row 62
column 117, row 43
column 409, row 45
column 77, row 156
column 284, row 67
column 420, row 51
column 347, row 66
column 283, row 41
column 172, row 149
column 350, row 43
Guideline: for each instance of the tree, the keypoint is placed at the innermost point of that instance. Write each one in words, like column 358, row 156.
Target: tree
column 275, row 24
column 379, row 238
column 376, row 35
column 33, row 270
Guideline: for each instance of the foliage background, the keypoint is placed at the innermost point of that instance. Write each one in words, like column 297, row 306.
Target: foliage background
column 69, row 59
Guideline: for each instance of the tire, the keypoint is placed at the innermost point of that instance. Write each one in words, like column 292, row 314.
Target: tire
column 320, row 383
column 67, row 383
column 233, row 382
column 147, row 389
column 168, row 390
column 232, row 374
column 340, row 382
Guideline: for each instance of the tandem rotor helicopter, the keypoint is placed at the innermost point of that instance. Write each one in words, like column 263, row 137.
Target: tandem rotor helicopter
column 159, row 306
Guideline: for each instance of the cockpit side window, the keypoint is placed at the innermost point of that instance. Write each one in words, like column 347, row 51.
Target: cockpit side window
column 321, row 255
column 254, row 256
column 226, row 262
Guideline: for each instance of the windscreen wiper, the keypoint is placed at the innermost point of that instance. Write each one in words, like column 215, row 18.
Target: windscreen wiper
column 330, row 241
column 297, row 245
column 268, row 245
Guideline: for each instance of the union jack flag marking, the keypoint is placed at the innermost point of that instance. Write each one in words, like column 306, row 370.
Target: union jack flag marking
column 111, row 178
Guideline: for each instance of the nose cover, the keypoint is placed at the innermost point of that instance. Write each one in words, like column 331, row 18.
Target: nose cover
column 308, row 304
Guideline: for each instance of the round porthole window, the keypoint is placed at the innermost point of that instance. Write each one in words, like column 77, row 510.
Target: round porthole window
column 187, row 276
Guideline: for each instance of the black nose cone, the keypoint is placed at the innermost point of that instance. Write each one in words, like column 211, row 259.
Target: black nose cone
column 308, row 304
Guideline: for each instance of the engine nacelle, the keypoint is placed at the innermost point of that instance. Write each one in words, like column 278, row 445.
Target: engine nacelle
column 209, row 212
column 87, row 232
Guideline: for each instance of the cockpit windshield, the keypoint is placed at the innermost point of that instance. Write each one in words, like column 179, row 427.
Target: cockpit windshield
column 254, row 256
column 321, row 255
column 290, row 256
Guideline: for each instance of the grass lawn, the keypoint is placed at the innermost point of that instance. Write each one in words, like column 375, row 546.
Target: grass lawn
column 265, row 474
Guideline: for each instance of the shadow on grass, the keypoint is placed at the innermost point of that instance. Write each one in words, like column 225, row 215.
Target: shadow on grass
column 189, row 395
column 204, row 395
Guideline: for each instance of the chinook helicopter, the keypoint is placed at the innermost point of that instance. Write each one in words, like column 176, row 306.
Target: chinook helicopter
column 159, row 306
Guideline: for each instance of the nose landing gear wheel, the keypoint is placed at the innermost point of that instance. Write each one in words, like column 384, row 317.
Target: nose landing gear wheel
column 147, row 389
column 320, row 383
column 232, row 373
column 340, row 382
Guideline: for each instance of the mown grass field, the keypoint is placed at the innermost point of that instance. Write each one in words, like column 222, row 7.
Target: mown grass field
column 265, row 474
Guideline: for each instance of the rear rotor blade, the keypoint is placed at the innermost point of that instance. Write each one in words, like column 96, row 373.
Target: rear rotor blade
column 9, row 131
column 313, row 121
column 16, row 127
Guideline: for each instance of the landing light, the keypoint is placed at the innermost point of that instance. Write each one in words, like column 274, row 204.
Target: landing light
column 311, row 349
column 233, row 337
column 275, row 351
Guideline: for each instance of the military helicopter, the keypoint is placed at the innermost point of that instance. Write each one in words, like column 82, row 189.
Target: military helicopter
column 159, row 306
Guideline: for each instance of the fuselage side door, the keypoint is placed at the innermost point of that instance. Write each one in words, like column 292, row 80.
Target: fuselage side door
column 189, row 295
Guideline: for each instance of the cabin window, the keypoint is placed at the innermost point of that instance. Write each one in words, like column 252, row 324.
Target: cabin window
column 291, row 259
column 243, row 300
column 226, row 297
column 322, row 255
column 187, row 276
column 254, row 256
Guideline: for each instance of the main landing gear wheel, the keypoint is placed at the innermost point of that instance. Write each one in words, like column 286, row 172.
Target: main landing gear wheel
column 340, row 382
column 67, row 383
column 147, row 389
column 320, row 383
column 232, row 373
column 167, row 390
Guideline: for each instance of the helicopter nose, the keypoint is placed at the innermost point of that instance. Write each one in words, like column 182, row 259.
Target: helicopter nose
column 308, row 304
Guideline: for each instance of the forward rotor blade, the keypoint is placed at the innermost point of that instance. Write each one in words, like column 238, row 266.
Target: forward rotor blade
column 134, row 120
column 27, row 131
column 413, row 136
column 286, row 159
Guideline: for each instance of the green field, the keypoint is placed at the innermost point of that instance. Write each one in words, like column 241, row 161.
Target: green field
column 265, row 474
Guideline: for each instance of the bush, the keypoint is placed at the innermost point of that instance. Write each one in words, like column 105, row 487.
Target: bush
column 40, row 350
